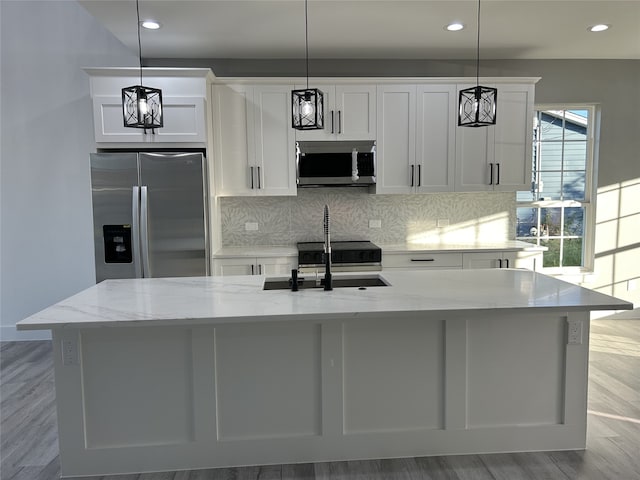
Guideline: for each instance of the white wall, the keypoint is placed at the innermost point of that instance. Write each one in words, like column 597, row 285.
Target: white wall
column 46, row 244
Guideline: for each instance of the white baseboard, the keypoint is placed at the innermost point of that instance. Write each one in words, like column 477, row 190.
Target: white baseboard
column 8, row 333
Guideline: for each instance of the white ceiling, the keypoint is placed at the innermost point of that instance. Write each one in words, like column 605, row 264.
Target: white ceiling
column 370, row 29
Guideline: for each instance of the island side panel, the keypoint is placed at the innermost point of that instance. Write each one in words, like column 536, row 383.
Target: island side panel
column 381, row 386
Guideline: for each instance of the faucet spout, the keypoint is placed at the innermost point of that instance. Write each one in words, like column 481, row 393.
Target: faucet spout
column 327, row 251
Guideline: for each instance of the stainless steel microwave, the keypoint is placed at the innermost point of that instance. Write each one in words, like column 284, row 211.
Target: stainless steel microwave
column 336, row 163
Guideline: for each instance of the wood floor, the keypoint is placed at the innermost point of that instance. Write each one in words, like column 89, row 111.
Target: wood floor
column 29, row 449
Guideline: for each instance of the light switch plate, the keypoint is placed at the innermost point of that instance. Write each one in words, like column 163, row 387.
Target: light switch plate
column 375, row 223
column 443, row 222
column 251, row 226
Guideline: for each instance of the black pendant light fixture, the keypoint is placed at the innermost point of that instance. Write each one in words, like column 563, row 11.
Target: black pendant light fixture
column 142, row 106
column 307, row 106
column 477, row 105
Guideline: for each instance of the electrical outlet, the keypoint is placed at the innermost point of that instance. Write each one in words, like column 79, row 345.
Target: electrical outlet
column 575, row 332
column 251, row 227
column 442, row 222
column 69, row 352
column 375, row 223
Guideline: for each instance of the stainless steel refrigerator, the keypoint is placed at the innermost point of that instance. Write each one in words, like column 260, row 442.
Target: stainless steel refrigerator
column 150, row 214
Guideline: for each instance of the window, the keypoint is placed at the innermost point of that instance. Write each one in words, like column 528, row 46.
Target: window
column 558, row 211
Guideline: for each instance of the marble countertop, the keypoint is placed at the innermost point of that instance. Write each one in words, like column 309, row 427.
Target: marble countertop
column 286, row 251
column 211, row 300
column 506, row 245
column 257, row 251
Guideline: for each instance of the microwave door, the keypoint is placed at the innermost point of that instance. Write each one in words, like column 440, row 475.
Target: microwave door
column 114, row 189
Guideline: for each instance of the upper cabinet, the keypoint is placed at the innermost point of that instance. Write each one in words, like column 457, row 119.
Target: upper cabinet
column 498, row 158
column 184, row 121
column 349, row 113
column 416, row 138
column 185, row 95
column 254, row 141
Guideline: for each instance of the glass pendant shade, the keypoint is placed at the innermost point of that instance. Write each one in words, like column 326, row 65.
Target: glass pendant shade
column 477, row 107
column 307, row 109
column 142, row 107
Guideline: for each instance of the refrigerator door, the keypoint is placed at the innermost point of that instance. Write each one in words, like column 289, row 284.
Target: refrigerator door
column 115, row 194
column 173, row 215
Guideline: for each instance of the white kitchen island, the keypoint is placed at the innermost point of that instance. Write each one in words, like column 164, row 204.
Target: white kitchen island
column 188, row 373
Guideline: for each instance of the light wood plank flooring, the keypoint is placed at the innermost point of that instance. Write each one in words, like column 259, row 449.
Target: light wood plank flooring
column 29, row 449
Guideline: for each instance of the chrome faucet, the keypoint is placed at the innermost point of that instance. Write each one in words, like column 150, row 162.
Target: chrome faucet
column 327, row 251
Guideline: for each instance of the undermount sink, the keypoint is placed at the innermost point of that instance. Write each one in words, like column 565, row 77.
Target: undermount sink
column 358, row 281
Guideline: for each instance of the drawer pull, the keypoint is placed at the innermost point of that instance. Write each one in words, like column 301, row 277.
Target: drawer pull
column 423, row 259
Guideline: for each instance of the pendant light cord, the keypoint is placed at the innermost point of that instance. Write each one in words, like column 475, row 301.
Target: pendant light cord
column 139, row 43
column 478, row 50
column 306, row 40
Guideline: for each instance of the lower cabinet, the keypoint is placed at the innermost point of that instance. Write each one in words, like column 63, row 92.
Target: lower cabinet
column 463, row 260
column 421, row 260
column 254, row 265
column 519, row 259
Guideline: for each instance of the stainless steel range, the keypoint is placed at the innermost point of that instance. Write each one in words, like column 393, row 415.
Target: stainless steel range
column 347, row 256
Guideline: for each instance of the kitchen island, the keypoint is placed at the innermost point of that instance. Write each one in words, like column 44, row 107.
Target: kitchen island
column 187, row 373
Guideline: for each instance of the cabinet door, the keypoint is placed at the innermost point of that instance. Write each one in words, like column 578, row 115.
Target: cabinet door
column 276, row 265
column 514, row 137
column 474, row 156
column 356, row 112
column 435, row 138
column 274, row 170
column 183, row 117
column 395, row 150
column 482, row 260
column 235, row 266
column 232, row 127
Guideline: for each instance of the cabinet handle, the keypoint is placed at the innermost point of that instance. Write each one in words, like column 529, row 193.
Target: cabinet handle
column 251, row 173
column 419, row 175
column 491, row 174
column 412, row 167
column 339, row 121
column 498, row 182
column 499, row 263
column 252, row 270
column 423, row 259
column 507, row 262
column 259, row 269
column 259, row 181
column 332, row 129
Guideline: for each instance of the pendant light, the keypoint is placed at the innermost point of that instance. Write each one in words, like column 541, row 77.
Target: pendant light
column 142, row 106
column 477, row 105
column 307, row 106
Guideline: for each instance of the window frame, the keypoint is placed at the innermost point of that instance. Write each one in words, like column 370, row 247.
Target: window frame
column 590, row 193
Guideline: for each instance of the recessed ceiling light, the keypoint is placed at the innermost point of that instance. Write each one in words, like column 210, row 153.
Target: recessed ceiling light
column 454, row 27
column 601, row 27
column 150, row 24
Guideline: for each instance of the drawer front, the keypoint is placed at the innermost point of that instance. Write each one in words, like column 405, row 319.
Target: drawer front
column 422, row 260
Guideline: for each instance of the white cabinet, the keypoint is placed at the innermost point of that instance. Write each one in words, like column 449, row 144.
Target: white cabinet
column 435, row 138
column 514, row 137
column 185, row 95
column 416, row 138
column 530, row 260
column 422, row 260
column 183, row 117
column 349, row 113
column 254, row 265
column 498, row 157
column 254, row 141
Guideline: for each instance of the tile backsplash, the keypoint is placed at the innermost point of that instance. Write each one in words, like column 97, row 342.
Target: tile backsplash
column 435, row 217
